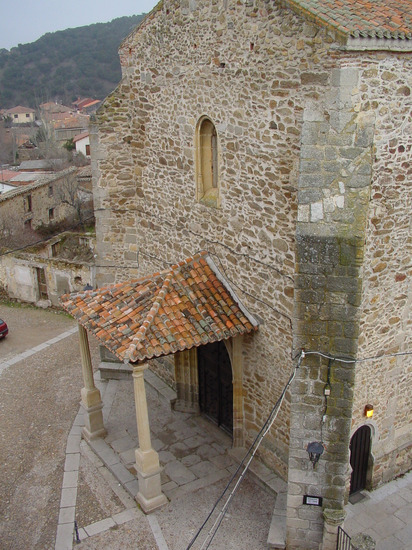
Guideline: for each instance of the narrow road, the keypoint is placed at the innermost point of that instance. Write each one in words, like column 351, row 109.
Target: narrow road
column 39, row 398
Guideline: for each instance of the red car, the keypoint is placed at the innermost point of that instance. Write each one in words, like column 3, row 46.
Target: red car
column 4, row 329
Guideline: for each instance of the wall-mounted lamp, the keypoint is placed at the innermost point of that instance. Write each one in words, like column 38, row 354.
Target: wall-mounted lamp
column 368, row 411
column 315, row 449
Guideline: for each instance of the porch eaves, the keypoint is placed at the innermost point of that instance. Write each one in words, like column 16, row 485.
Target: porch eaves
column 190, row 304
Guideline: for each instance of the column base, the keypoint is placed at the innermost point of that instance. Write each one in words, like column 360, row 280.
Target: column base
column 89, row 436
column 332, row 520
column 93, row 422
column 150, row 496
column 149, row 505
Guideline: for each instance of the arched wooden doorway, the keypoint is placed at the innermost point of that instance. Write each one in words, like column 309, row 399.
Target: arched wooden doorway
column 216, row 385
column 360, row 447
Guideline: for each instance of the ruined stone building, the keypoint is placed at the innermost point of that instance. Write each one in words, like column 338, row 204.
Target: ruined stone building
column 275, row 136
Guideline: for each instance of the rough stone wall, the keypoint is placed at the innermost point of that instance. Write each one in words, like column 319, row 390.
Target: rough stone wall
column 334, row 182
column 13, row 205
column 250, row 68
column 18, row 276
column 386, row 320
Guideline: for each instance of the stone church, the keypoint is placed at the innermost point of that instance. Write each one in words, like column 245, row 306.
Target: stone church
column 252, row 189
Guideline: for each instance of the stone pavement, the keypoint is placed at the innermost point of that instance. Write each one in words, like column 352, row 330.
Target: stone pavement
column 197, row 462
column 384, row 514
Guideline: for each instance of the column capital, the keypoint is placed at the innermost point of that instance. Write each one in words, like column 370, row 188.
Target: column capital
column 138, row 368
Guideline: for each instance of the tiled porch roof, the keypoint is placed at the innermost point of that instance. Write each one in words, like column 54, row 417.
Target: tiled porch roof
column 364, row 18
column 185, row 306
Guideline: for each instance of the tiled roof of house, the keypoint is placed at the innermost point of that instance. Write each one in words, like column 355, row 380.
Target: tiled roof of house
column 7, row 175
column 80, row 136
column 185, row 306
column 52, row 107
column 360, row 18
column 19, row 109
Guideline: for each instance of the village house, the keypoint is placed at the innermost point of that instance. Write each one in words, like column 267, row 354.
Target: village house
column 50, row 198
column 82, row 144
column 252, row 193
column 40, row 274
column 20, row 114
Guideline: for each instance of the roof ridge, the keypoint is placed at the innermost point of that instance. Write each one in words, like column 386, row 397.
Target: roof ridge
column 179, row 265
column 140, row 334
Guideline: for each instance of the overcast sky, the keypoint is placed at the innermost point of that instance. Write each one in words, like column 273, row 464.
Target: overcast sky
column 27, row 20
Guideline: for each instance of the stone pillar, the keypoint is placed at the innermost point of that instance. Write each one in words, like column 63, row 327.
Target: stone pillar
column 150, row 496
column 332, row 519
column 187, row 382
column 237, row 370
column 91, row 398
column 333, row 203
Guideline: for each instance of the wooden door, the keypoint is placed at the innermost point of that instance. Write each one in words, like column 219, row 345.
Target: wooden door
column 41, row 282
column 360, row 446
column 215, row 384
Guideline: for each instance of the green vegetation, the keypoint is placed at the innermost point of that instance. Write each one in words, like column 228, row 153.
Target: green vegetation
column 64, row 65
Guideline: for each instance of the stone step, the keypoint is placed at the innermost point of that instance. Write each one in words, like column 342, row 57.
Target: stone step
column 277, row 531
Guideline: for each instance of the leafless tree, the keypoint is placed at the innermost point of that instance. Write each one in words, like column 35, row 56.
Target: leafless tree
column 13, row 234
column 70, row 193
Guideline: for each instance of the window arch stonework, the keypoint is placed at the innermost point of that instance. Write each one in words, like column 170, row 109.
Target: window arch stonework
column 207, row 165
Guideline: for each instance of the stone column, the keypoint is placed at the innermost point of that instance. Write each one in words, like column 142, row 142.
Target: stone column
column 91, row 398
column 150, row 496
column 237, row 371
column 332, row 520
column 187, row 382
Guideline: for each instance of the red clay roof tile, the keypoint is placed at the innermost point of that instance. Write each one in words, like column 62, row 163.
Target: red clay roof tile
column 163, row 313
column 380, row 18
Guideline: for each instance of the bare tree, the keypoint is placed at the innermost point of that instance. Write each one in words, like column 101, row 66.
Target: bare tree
column 70, row 193
column 12, row 234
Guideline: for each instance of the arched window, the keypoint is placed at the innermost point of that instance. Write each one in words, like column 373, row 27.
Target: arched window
column 207, row 163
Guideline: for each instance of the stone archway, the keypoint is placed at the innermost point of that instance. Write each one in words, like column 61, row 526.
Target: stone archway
column 187, row 384
column 360, row 450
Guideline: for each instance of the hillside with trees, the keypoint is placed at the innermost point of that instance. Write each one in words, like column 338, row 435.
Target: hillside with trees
column 64, row 65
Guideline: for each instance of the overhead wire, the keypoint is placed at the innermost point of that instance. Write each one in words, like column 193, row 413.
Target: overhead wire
column 165, row 221
column 251, row 451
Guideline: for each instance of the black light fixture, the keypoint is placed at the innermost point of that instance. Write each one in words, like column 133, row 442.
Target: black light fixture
column 315, row 449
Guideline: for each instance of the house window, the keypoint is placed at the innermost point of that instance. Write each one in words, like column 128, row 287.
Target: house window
column 88, row 150
column 27, row 115
column 16, row 116
column 50, row 190
column 28, row 203
column 51, row 213
column 207, row 169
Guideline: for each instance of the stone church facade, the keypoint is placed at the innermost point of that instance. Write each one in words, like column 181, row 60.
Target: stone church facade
column 276, row 136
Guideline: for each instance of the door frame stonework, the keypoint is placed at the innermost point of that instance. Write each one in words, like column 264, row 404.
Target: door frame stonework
column 371, row 458
column 187, row 385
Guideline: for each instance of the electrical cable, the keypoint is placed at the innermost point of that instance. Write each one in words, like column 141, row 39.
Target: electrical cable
column 164, row 221
column 362, row 360
column 248, row 294
column 251, row 451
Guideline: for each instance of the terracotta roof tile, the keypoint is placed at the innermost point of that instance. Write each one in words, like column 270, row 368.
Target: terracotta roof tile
column 367, row 18
column 187, row 305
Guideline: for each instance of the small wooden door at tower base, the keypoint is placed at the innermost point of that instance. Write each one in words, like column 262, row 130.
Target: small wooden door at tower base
column 360, row 446
column 215, row 384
